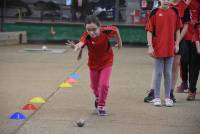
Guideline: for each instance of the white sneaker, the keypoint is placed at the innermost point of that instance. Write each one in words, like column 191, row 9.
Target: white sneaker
column 169, row 102
column 157, row 102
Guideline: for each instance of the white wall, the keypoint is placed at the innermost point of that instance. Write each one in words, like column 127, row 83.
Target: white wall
column 12, row 38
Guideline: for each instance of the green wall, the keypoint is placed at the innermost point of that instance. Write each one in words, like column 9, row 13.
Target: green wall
column 41, row 32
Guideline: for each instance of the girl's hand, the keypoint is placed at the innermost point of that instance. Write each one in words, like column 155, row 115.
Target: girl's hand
column 73, row 45
column 118, row 46
column 151, row 51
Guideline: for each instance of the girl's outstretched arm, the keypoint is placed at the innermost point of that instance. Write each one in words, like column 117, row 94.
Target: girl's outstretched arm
column 119, row 40
column 75, row 46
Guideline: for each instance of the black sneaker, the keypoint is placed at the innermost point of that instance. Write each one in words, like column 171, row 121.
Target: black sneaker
column 172, row 97
column 150, row 96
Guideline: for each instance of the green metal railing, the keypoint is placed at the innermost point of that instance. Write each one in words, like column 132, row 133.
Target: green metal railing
column 42, row 32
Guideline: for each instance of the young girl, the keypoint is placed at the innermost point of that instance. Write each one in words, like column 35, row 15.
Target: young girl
column 100, row 61
column 184, row 13
column 164, row 22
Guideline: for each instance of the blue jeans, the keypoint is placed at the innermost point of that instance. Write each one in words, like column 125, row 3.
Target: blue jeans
column 162, row 65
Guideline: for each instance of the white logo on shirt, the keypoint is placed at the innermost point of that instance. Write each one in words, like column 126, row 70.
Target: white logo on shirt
column 160, row 14
column 93, row 42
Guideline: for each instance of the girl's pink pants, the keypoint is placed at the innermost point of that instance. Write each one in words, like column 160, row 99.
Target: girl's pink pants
column 100, row 84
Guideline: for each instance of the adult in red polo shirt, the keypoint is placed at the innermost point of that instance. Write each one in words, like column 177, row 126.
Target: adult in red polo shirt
column 164, row 22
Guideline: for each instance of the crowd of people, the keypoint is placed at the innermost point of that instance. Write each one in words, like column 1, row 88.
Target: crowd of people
column 173, row 34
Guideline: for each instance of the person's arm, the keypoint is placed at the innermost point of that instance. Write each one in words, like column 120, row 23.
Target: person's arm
column 76, row 47
column 119, row 40
column 198, row 46
column 80, row 48
column 177, row 40
column 184, row 31
column 188, row 2
column 150, row 46
column 149, row 38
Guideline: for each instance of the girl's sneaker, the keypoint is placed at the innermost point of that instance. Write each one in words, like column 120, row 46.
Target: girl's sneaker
column 157, row 102
column 102, row 111
column 169, row 102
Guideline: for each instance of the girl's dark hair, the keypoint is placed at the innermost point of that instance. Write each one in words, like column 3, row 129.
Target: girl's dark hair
column 92, row 19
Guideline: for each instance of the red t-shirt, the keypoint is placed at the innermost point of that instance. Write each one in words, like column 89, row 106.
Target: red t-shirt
column 181, row 6
column 195, row 10
column 99, row 50
column 184, row 11
column 163, row 24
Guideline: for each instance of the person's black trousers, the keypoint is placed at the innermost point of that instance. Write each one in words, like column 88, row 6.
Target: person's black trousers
column 194, row 69
column 185, row 61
